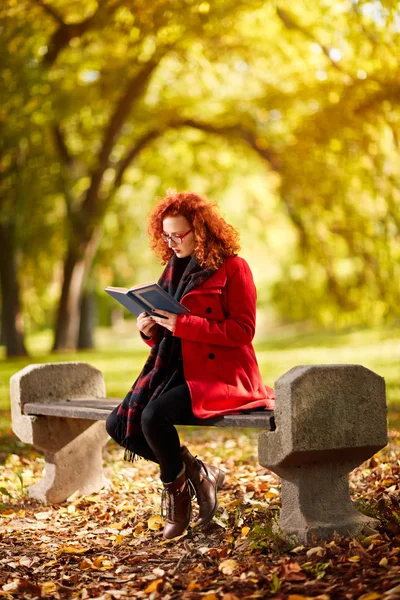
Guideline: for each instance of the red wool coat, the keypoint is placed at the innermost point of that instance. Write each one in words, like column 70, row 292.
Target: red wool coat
column 219, row 362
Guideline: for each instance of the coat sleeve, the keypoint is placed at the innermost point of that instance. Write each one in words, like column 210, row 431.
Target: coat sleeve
column 239, row 327
column 150, row 341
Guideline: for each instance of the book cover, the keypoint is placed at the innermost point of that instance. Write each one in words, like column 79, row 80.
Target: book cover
column 146, row 297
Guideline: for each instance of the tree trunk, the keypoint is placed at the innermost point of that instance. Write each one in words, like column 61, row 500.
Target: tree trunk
column 87, row 321
column 68, row 315
column 11, row 314
column 76, row 268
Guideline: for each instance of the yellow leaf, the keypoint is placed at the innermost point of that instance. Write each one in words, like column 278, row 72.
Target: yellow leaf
column 383, row 562
column 72, row 550
column 299, row 597
column 102, row 563
column 154, row 586
column 245, row 531
column 370, row 596
column 227, row 567
column 234, row 503
column 139, row 529
column 49, row 587
column 155, row 523
column 193, row 586
column 118, row 540
column 85, row 564
column 210, row 597
column 354, row 558
column 117, row 525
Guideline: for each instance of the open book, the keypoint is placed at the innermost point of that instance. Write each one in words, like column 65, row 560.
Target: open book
column 146, row 297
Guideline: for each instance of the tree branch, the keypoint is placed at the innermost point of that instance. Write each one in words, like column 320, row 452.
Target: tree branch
column 290, row 23
column 61, row 145
column 240, row 133
column 133, row 152
column 65, row 32
column 51, row 11
column 134, row 90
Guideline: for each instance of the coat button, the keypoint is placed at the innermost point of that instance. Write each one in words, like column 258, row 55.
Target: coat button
column 211, row 355
column 208, row 310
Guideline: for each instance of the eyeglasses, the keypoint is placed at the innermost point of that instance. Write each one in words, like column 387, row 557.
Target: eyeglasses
column 176, row 237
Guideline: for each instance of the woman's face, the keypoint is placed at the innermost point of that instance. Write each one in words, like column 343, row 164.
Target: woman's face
column 179, row 225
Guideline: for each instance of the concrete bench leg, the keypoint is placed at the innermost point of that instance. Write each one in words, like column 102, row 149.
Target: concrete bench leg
column 72, row 446
column 73, row 454
column 316, row 503
column 329, row 419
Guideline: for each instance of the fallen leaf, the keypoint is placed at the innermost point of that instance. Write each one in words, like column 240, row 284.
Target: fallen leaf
column 11, row 587
column 118, row 540
column 155, row 586
column 85, row 564
column 139, row 529
column 227, row 567
column 245, row 531
column 370, row 596
column 383, row 562
column 155, row 523
column 72, row 550
column 48, row 587
column 292, row 571
column 318, row 550
column 102, row 563
column 42, row 516
column 27, row 587
column 117, row 525
column 193, row 585
column 298, row 549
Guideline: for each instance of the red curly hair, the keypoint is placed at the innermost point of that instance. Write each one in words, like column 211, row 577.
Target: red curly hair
column 215, row 239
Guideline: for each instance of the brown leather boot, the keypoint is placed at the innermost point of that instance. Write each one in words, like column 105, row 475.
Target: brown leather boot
column 178, row 497
column 206, row 481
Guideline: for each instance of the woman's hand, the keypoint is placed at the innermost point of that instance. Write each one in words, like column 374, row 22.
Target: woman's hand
column 145, row 324
column 169, row 322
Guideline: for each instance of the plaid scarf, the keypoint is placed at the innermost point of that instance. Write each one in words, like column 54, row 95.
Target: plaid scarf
column 160, row 371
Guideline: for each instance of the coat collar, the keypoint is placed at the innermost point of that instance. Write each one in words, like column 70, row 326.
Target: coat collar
column 217, row 279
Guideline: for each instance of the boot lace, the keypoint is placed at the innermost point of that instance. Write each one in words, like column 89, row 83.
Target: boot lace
column 168, row 500
column 167, row 503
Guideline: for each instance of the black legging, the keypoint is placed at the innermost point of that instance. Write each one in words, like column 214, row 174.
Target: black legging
column 160, row 441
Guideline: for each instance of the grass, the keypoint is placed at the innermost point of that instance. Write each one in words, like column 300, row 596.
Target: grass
column 121, row 354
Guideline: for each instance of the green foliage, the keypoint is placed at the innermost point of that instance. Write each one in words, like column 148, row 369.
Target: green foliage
column 318, row 569
column 268, row 537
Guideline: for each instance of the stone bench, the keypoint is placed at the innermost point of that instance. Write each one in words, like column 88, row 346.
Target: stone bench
column 328, row 419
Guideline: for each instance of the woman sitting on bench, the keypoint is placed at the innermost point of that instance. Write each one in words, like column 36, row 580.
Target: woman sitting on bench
column 201, row 363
